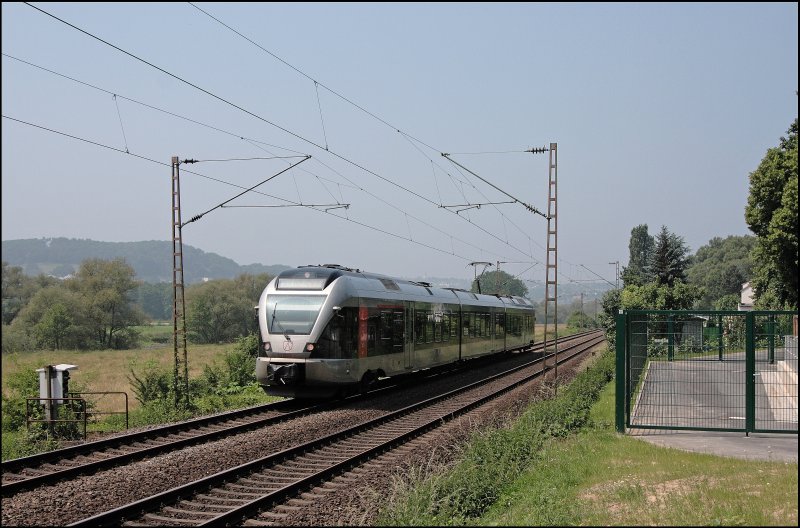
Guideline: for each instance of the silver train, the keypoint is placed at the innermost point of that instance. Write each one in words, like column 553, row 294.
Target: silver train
column 330, row 329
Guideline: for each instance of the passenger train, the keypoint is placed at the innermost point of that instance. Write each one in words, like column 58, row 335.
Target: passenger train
column 329, row 329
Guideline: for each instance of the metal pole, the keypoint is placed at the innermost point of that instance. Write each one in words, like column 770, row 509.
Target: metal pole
column 552, row 255
column 49, row 405
column 178, row 298
column 621, row 385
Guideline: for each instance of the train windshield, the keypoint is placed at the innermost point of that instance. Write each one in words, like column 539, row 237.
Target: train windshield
column 293, row 314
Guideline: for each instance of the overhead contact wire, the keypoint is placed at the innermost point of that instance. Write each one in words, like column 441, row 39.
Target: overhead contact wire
column 233, row 185
column 261, row 118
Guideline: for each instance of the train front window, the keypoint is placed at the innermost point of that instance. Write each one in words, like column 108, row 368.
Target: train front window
column 293, row 314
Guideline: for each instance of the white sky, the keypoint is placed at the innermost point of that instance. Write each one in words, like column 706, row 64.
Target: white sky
column 660, row 112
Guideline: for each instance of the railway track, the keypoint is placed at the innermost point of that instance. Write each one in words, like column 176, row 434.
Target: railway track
column 240, row 494
column 46, row 468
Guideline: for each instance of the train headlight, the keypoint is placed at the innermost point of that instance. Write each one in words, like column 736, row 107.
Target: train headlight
column 267, row 347
column 310, row 347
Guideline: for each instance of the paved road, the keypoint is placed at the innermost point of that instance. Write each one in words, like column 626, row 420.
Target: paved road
column 757, row 446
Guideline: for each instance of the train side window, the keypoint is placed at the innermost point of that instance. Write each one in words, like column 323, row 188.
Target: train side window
column 386, row 325
column 429, row 327
column 371, row 335
column 469, row 323
column 419, row 326
column 398, row 332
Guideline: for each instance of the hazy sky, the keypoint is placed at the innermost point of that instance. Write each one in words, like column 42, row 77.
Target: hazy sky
column 660, row 112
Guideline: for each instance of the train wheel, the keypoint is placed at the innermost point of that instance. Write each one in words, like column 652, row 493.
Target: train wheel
column 367, row 381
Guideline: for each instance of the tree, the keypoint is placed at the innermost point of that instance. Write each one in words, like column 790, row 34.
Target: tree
column 105, row 287
column 220, row 311
column 612, row 301
column 18, row 289
column 654, row 296
column 721, row 267
column 500, row 282
column 641, row 248
column 155, row 300
column 53, row 319
column 669, row 260
column 53, row 329
column 580, row 320
column 771, row 214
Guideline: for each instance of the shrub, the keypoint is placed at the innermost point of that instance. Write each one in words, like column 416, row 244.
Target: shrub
column 153, row 384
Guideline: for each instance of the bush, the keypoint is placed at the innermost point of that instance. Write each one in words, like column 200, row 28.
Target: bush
column 20, row 385
column 153, row 384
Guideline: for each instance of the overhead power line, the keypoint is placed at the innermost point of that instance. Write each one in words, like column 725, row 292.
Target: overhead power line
column 201, row 215
column 308, row 206
column 410, row 138
column 257, row 144
column 527, row 206
column 343, row 158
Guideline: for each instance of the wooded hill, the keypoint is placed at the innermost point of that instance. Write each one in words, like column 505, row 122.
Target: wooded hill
column 151, row 259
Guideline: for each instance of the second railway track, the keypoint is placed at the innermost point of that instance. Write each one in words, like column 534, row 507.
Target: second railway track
column 47, row 468
column 235, row 495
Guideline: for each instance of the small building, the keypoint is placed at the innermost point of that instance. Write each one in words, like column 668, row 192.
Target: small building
column 746, row 299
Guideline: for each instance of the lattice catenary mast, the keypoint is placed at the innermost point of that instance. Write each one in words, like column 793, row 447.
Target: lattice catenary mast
column 178, row 298
column 551, row 279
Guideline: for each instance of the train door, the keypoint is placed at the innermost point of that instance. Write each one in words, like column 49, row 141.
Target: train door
column 408, row 335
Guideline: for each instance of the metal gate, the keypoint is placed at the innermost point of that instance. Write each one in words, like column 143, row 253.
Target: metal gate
column 707, row 370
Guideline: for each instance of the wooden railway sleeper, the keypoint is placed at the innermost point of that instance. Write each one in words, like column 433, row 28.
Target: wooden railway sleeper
column 166, row 521
column 272, row 477
column 182, row 512
column 262, row 485
column 193, row 504
column 231, row 486
column 206, row 496
column 237, row 490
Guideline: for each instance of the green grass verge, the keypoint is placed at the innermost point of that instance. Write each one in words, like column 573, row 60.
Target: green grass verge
column 600, row 478
column 561, row 466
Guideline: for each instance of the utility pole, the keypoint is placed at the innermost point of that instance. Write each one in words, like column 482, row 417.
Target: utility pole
column 616, row 262
column 551, row 268
column 583, row 316
column 178, row 298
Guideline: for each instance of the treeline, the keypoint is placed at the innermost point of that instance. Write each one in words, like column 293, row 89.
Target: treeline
column 101, row 305
column 662, row 275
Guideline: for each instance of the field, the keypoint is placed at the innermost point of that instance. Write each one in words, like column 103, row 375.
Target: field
column 108, row 370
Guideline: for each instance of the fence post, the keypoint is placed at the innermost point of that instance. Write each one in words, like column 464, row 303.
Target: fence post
column 719, row 337
column 670, row 338
column 771, row 338
column 621, row 392
column 749, row 374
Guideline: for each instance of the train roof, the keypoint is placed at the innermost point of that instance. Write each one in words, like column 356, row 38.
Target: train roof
column 318, row 277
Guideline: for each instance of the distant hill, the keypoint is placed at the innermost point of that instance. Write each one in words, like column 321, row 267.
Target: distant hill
column 152, row 259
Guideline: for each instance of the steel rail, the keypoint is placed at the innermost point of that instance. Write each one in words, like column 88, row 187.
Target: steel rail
column 161, row 434
column 159, row 440
column 155, row 502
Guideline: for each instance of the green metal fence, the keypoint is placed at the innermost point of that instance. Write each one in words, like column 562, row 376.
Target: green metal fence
column 707, row 370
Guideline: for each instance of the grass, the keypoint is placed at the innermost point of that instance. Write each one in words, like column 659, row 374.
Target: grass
column 600, row 478
column 108, row 370
column 593, row 477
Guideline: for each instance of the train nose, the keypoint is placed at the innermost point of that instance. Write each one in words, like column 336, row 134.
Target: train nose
column 284, row 373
